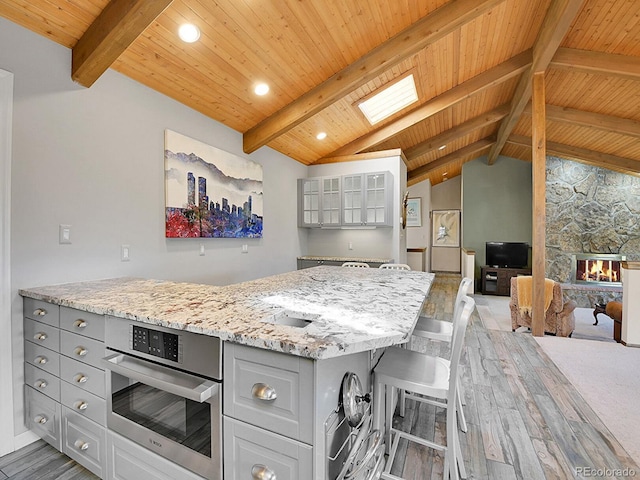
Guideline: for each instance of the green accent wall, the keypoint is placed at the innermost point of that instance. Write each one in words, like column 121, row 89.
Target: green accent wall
column 496, row 201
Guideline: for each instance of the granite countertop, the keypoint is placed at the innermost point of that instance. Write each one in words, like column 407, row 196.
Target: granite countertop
column 346, row 259
column 352, row 309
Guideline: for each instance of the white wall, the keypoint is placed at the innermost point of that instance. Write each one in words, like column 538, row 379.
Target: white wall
column 446, row 196
column 420, row 237
column 380, row 242
column 93, row 158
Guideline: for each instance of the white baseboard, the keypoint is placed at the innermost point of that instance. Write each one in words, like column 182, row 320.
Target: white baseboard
column 24, row 439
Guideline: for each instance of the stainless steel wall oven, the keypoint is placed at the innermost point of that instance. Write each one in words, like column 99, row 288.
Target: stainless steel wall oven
column 164, row 392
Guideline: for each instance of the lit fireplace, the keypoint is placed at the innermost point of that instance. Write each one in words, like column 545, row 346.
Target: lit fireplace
column 597, row 269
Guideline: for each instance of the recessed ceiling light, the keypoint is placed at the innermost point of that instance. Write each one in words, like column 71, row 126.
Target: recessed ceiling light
column 321, row 135
column 442, row 147
column 390, row 100
column 261, row 89
column 189, row 33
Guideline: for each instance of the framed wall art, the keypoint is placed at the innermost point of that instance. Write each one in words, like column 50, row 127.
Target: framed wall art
column 445, row 228
column 414, row 212
column 209, row 192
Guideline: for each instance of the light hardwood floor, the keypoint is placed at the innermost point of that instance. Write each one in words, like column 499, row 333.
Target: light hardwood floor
column 526, row 421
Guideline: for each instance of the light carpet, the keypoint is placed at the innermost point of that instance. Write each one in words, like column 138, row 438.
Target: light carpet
column 603, row 371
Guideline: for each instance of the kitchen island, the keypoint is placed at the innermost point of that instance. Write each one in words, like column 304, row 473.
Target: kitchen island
column 341, row 310
column 298, row 332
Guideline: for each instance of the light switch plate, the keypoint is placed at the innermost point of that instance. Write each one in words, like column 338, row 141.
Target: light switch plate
column 125, row 253
column 64, row 234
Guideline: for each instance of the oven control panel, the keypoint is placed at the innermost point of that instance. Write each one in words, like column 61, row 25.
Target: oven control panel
column 156, row 343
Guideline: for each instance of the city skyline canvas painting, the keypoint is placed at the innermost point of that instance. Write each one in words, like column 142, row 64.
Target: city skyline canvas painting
column 209, row 192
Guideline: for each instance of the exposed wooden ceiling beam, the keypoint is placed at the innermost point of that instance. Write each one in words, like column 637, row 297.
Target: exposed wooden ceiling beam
column 119, row 24
column 456, row 132
column 560, row 15
column 478, row 148
column 600, row 63
column 394, row 152
column 583, row 155
column 606, row 123
column 494, row 76
column 410, row 41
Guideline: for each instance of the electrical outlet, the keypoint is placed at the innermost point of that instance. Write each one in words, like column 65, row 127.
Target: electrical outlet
column 125, row 253
column 64, row 234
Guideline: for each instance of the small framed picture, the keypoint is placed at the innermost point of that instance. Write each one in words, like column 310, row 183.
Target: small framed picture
column 445, row 228
column 414, row 212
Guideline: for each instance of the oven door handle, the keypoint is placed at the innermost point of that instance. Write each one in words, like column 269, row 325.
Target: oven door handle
column 179, row 383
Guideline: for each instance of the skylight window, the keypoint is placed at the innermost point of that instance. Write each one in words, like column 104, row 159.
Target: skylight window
column 389, row 101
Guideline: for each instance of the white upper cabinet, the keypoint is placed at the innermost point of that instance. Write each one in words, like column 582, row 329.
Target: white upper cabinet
column 367, row 199
column 358, row 200
column 319, row 202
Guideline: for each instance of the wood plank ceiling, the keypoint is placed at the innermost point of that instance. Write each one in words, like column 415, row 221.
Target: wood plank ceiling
column 473, row 61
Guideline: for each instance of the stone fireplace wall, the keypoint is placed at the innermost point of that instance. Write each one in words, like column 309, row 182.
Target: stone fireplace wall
column 589, row 210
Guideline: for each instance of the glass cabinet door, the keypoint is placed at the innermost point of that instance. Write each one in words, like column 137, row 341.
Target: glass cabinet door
column 352, row 200
column 376, row 199
column 310, row 202
column 330, row 201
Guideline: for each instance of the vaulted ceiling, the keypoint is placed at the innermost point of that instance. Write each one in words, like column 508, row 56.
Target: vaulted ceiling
column 473, row 61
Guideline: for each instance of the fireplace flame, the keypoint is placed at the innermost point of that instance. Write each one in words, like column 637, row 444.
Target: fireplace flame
column 599, row 271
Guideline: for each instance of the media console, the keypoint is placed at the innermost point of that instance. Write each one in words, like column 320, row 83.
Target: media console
column 497, row 280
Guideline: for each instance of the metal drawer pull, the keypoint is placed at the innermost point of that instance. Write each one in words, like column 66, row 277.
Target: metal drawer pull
column 41, row 419
column 265, row 392
column 40, row 312
column 40, row 383
column 80, row 378
column 81, row 351
column 40, row 336
column 41, row 360
column 80, row 405
column 261, row 472
column 81, row 444
column 80, row 323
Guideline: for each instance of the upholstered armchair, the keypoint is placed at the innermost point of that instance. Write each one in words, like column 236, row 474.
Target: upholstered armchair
column 559, row 318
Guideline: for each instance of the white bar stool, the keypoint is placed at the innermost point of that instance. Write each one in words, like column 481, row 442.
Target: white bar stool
column 355, row 264
column 426, row 375
column 433, row 329
column 395, row 266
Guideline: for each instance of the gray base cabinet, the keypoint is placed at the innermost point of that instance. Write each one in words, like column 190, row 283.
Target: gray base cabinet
column 64, row 382
column 252, row 452
column 305, row 263
column 129, row 461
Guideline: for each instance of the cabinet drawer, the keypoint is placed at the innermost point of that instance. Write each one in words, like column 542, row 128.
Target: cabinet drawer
column 84, row 323
column 42, row 358
column 250, row 452
column 42, row 415
column 82, row 375
column 127, row 460
column 41, row 381
column 83, row 403
column 250, row 372
column 84, row 441
column 42, row 334
column 84, row 349
column 42, row 311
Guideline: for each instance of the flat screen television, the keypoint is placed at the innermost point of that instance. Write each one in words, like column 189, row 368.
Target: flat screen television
column 507, row 254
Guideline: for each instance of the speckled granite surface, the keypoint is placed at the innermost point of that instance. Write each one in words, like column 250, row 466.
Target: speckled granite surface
column 351, row 309
column 346, row 259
